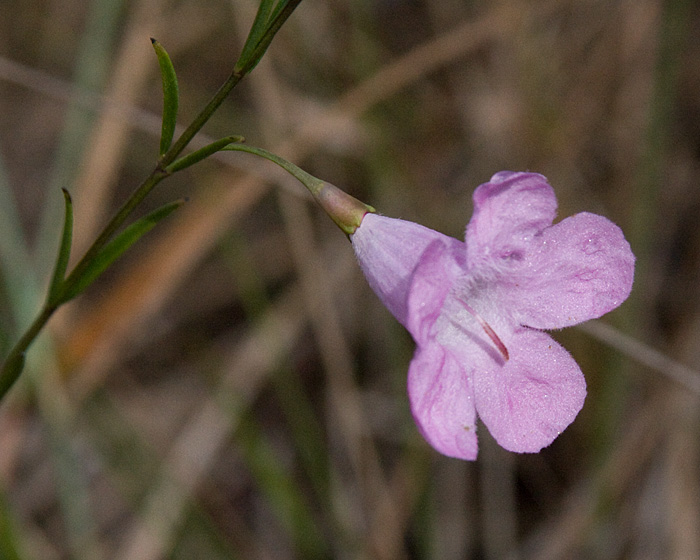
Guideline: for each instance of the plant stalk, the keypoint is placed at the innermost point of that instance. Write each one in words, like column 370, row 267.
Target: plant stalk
column 13, row 364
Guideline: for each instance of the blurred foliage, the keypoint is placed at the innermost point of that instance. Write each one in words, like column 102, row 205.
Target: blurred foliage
column 233, row 389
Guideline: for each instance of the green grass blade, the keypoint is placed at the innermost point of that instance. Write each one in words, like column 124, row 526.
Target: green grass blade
column 295, row 403
column 171, row 96
column 283, row 494
column 93, row 65
column 71, row 484
column 18, row 277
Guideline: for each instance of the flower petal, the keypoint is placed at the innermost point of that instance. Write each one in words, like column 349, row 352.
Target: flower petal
column 535, row 395
column 388, row 251
column 431, row 281
column 578, row 269
column 442, row 402
column 508, row 211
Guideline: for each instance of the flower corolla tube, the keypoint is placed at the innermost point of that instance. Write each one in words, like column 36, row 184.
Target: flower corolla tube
column 478, row 309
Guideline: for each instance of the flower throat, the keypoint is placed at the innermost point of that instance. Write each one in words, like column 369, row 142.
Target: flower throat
column 498, row 343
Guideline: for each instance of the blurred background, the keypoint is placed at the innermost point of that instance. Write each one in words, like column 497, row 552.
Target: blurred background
column 232, row 388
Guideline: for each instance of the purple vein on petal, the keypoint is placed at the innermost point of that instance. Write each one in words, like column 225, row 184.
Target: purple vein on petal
column 489, row 331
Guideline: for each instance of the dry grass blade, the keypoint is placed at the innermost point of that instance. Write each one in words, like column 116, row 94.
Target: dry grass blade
column 193, row 452
column 643, row 354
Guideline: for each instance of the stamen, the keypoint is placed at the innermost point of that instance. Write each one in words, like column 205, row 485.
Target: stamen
column 489, row 331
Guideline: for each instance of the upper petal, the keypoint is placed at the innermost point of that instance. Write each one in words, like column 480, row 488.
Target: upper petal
column 578, row 269
column 537, row 393
column 388, row 251
column 508, row 211
column 442, row 402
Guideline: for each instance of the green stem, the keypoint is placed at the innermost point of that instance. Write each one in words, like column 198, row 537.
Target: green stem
column 346, row 211
column 14, row 363
column 240, row 70
column 201, row 119
column 156, row 176
column 313, row 184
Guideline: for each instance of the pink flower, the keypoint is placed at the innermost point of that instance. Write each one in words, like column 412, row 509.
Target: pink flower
column 477, row 309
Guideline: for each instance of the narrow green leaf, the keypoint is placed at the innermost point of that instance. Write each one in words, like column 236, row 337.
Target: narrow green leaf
column 59, row 272
column 278, row 9
column 202, row 153
column 257, row 44
column 117, row 247
column 20, row 289
column 258, row 28
column 170, row 96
